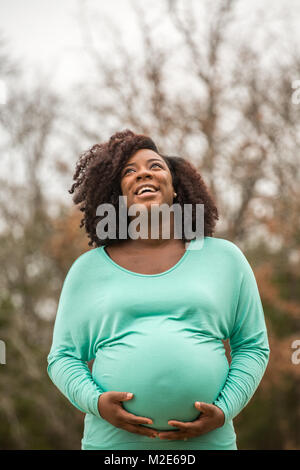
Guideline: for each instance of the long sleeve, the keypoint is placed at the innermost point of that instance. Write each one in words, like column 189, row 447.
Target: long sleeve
column 72, row 346
column 249, row 346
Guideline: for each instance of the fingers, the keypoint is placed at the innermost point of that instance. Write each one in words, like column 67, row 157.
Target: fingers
column 185, row 429
column 134, row 424
column 133, row 419
column 129, row 417
column 205, row 408
column 184, row 432
column 140, row 430
column 180, row 424
column 120, row 396
column 120, row 418
column 177, row 435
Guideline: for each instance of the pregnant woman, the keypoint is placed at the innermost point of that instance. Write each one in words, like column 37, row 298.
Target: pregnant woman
column 153, row 312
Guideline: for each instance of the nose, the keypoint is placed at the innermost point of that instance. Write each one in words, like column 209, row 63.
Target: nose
column 143, row 173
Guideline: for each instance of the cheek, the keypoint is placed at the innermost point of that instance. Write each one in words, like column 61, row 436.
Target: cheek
column 165, row 179
column 169, row 187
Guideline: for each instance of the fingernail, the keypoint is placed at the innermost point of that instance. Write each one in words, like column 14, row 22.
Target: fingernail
column 129, row 395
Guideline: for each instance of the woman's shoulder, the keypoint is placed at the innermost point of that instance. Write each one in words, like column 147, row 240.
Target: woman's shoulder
column 226, row 248
column 222, row 243
column 84, row 264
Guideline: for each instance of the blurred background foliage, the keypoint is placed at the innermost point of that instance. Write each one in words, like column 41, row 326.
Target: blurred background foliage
column 227, row 107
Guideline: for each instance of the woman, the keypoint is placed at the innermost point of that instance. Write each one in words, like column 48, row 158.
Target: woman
column 153, row 313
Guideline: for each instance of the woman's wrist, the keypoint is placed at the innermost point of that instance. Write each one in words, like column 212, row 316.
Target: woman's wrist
column 221, row 415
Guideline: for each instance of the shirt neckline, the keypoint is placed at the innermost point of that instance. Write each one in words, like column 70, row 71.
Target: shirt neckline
column 111, row 261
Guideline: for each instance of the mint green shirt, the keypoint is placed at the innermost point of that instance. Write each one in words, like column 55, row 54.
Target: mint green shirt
column 160, row 336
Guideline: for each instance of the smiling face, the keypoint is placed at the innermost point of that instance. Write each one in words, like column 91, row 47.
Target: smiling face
column 146, row 168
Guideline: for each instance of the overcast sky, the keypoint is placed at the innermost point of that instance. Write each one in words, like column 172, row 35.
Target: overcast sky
column 45, row 35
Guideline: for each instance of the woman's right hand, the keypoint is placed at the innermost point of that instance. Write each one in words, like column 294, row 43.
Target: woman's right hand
column 111, row 409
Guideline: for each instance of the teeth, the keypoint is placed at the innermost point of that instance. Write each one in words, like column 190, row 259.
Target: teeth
column 146, row 188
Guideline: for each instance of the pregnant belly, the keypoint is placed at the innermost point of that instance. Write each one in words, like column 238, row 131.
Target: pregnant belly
column 166, row 373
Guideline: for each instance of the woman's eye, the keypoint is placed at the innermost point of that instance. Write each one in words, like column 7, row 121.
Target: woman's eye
column 130, row 169
column 156, row 164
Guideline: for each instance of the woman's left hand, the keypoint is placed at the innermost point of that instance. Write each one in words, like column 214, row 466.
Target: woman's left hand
column 211, row 418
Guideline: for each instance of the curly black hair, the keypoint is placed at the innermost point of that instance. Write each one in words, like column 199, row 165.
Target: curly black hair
column 97, row 181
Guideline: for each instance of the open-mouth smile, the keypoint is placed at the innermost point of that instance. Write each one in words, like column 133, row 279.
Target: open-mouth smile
column 146, row 190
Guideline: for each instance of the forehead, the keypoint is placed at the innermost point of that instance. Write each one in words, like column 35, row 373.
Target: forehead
column 144, row 154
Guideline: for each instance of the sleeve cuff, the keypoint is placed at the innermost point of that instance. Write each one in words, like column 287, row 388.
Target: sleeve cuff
column 96, row 409
column 223, row 408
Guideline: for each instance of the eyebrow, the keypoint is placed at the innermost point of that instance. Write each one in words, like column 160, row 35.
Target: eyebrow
column 150, row 160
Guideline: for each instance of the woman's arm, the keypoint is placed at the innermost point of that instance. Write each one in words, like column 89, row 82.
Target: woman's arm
column 249, row 347
column 72, row 346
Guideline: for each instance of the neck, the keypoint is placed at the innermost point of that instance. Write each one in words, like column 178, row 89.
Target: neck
column 163, row 230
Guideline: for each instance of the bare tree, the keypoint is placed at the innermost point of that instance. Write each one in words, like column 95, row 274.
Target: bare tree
column 237, row 124
column 203, row 95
